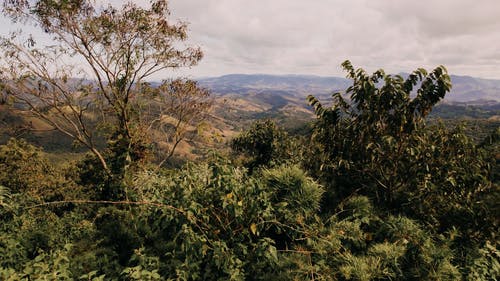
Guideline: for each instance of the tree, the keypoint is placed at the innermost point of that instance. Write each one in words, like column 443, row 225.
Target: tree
column 373, row 127
column 264, row 143
column 112, row 51
column 174, row 112
column 23, row 169
column 377, row 144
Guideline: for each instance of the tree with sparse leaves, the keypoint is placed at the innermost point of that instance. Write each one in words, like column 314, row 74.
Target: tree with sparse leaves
column 90, row 80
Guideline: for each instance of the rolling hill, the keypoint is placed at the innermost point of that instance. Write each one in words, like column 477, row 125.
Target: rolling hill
column 242, row 99
column 261, row 95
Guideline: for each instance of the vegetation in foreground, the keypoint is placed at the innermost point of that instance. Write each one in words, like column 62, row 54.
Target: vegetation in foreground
column 371, row 192
column 369, row 195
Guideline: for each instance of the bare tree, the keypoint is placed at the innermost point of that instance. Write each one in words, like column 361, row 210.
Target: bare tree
column 172, row 114
column 113, row 51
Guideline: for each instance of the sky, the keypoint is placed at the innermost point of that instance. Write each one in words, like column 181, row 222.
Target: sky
column 314, row 37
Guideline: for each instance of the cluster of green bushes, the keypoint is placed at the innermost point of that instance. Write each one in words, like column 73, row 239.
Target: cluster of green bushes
column 371, row 193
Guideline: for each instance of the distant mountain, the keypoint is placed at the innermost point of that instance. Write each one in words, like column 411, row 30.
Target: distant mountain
column 465, row 88
column 293, row 84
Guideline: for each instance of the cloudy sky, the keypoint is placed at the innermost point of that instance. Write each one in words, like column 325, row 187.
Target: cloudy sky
column 315, row 36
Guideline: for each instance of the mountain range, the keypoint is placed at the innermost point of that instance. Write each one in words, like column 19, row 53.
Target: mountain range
column 465, row 89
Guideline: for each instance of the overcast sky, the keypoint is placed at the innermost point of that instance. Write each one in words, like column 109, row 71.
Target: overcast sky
column 316, row 36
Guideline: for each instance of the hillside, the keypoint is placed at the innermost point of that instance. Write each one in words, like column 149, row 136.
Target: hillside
column 470, row 89
column 241, row 99
column 256, row 96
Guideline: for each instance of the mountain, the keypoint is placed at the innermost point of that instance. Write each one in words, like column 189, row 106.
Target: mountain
column 465, row 88
column 243, row 98
column 470, row 89
column 294, row 84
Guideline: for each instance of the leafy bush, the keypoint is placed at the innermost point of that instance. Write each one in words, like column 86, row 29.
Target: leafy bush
column 225, row 224
column 23, row 169
column 265, row 144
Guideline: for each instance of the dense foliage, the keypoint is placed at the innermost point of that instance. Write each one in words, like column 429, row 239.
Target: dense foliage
column 372, row 192
column 264, row 144
column 369, row 195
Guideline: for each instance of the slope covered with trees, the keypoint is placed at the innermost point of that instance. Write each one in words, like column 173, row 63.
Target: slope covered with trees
column 369, row 192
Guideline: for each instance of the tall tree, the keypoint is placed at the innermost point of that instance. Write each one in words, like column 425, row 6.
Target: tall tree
column 112, row 51
column 372, row 126
column 376, row 143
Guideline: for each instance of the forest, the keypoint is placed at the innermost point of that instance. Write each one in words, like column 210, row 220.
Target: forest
column 371, row 188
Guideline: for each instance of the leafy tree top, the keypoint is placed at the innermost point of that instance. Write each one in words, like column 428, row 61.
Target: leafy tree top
column 384, row 102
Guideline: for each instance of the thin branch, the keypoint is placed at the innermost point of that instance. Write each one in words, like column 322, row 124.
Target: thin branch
column 105, row 202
